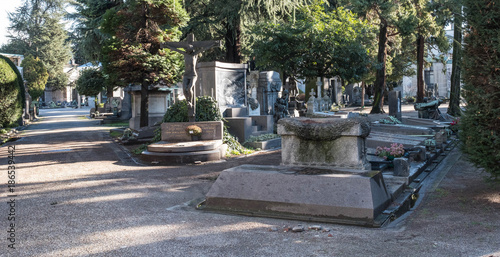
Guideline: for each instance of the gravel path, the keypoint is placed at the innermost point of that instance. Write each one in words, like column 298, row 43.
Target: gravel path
column 78, row 194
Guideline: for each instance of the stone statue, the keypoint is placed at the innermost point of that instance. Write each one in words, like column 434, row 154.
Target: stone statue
column 190, row 52
column 429, row 110
column 281, row 107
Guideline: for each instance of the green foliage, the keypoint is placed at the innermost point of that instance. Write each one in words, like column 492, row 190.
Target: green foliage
column 37, row 31
column 207, row 109
column 178, row 112
column 480, row 124
column 229, row 21
column 318, row 43
column 87, row 37
column 91, row 82
column 11, row 89
column 135, row 30
column 263, row 137
column 36, row 76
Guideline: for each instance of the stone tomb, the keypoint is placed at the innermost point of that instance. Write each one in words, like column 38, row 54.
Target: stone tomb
column 225, row 82
column 158, row 105
column 317, row 187
column 177, row 146
column 338, row 143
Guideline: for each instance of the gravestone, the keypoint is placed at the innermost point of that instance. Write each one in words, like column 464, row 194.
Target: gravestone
column 126, row 107
column 268, row 91
column 225, row 82
column 327, row 103
column 312, row 103
column 395, row 104
column 158, row 105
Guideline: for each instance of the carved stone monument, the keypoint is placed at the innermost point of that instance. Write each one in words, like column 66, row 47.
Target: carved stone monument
column 268, row 91
column 190, row 52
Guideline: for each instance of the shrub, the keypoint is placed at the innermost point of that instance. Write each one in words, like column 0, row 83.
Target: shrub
column 11, row 93
column 480, row 125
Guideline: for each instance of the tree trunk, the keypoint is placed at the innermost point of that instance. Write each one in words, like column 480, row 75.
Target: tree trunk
column 144, row 121
column 109, row 91
column 233, row 42
column 379, row 87
column 454, row 107
column 420, row 69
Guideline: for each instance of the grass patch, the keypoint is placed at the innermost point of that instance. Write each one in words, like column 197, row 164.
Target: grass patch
column 140, row 149
column 117, row 124
column 115, row 134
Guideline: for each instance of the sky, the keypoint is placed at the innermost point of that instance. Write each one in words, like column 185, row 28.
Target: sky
column 6, row 7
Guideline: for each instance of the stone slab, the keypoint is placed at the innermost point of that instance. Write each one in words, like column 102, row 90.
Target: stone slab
column 190, row 157
column 183, row 147
column 401, row 129
column 386, row 139
column 300, row 193
column 264, row 145
column 176, row 131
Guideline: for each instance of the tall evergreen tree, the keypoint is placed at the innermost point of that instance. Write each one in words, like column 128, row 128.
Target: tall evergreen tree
column 480, row 124
column 36, row 76
column 454, row 106
column 420, row 19
column 88, row 37
column 132, row 53
column 36, row 30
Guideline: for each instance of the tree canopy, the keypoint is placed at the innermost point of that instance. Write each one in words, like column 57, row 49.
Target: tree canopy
column 91, row 82
column 37, row 30
column 132, row 54
column 36, row 76
column 319, row 43
column 229, row 21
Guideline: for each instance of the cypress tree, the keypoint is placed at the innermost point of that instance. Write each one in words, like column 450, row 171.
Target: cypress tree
column 480, row 124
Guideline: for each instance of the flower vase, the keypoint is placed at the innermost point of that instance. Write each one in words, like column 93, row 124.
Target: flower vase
column 195, row 138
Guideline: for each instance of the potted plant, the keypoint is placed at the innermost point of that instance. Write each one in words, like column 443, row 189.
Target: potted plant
column 194, row 131
column 389, row 153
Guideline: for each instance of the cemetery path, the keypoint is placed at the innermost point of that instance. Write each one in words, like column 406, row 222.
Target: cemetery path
column 78, row 194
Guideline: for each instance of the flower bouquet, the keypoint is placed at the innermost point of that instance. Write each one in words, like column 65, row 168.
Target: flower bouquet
column 194, row 131
column 390, row 153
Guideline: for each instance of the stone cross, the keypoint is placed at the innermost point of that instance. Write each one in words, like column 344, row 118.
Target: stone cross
column 191, row 50
column 312, row 93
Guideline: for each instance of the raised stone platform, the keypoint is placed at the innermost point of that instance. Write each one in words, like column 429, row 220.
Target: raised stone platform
column 182, row 147
column 305, row 193
column 177, row 145
column 185, row 157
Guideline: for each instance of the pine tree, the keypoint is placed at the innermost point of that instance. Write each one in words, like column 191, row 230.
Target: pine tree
column 36, row 30
column 132, row 53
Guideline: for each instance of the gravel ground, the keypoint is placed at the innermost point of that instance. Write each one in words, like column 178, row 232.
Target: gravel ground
column 79, row 194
